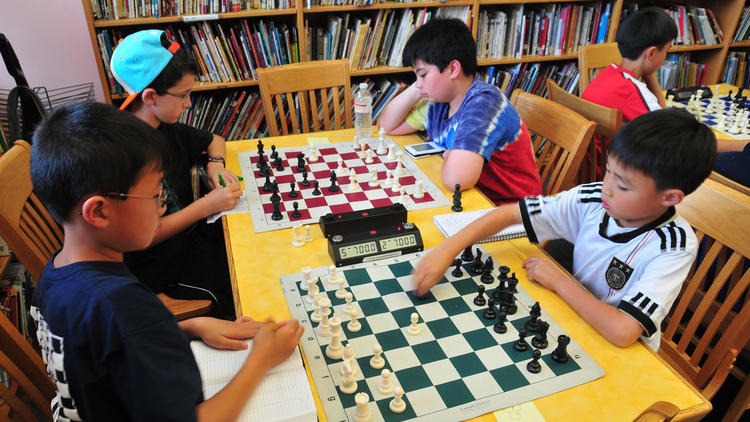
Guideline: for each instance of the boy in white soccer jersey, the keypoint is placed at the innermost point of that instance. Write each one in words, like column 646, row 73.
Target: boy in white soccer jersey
column 631, row 249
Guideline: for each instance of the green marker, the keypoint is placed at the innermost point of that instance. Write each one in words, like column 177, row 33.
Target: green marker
column 221, row 180
column 240, row 178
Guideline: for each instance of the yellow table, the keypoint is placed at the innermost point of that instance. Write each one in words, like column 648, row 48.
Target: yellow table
column 635, row 377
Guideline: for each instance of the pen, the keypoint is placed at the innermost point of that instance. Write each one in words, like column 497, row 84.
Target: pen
column 221, row 180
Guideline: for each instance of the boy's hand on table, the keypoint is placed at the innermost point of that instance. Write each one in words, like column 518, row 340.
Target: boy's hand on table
column 229, row 335
column 545, row 273
column 213, row 170
column 275, row 342
column 222, row 199
column 431, row 269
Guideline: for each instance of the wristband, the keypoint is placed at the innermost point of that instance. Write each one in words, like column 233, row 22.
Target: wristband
column 216, row 158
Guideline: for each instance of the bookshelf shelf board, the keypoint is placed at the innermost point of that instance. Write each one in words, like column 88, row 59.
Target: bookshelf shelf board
column 486, row 2
column 745, row 43
column 683, row 48
column 207, row 86
column 387, row 5
column 379, row 70
column 508, row 60
column 106, row 23
column 4, row 262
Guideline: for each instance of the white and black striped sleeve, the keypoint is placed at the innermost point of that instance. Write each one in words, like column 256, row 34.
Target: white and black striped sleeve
column 558, row 216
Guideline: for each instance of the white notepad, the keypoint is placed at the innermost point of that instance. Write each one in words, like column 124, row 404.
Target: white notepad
column 450, row 224
column 284, row 395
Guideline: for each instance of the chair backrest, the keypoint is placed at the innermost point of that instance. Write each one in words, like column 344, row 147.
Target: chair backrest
column 25, row 224
column 729, row 182
column 608, row 121
column 307, row 97
column 27, row 373
column 708, row 325
column 592, row 58
column 559, row 137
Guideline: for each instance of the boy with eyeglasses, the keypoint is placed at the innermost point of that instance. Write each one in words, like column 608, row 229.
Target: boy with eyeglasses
column 187, row 258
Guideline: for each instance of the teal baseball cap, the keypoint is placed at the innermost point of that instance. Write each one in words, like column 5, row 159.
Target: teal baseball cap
column 139, row 58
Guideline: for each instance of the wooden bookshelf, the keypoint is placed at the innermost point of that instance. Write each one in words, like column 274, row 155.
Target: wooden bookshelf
column 727, row 14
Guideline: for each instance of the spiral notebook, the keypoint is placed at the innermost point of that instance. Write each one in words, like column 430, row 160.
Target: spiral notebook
column 450, row 224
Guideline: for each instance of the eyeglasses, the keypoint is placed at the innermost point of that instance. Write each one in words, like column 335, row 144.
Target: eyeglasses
column 183, row 97
column 161, row 197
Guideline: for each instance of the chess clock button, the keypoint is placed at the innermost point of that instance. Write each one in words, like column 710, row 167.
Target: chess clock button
column 337, row 238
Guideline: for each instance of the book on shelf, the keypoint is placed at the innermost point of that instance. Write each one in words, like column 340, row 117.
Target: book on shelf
column 119, row 9
column 679, row 72
column 742, row 32
column 284, row 394
column 450, row 224
column 532, row 77
column 234, row 116
column 695, row 26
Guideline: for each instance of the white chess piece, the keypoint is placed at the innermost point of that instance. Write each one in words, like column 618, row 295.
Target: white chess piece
column 414, row 329
column 397, row 405
column 349, row 309
column 385, row 387
column 317, row 315
column 373, row 177
column 313, row 289
column 670, row 100
column 403, row 198
column 333, row 277
column 340, row 169
column 381, row 142
column 297, row 236
column 325, row 304
column 308, row 237
column 324, row 328
column 362, row 148
column 396, row 188
column 400, row 170
column 349, row 357
column 368, row 157
column 377, row 361
column 353, row 185
column 348, row 384
column 419, row 194
column 313, row 154
column 355, row 144
column 362, row 412
column 335, row 349
column 388, row 181
column 341, row 291
column 354, row 325
column 305, row 283
column 391, row 152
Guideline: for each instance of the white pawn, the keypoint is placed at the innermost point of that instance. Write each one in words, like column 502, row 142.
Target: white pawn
column 396, row 187
column 355, row 144
column 362, row 412
column 324, row 328
column 297, row 236
column 670, row 100
column 341, row 291
column 420, row 189
column 353, row 185
column 333, row 278
column 400, row 170
column 362, row 148
column 373, row 177
column 305, row 283
column 316, row 316
column 414, row 329
column 325, row 305
column 397, row 405
column 368, row 157
column 313, row 154
column 312, row 290
column 381, row 142
column 349, row 357
column 349, row 309
column 391, row 152
column 340, row 169
column 404, row 198
column 348, row 384
column 308, row 237
column 377, row 361
column 354, row 325
column 387, row 182
column 385, row 387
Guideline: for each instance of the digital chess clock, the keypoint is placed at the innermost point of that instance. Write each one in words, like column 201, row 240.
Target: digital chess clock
column 371, row 245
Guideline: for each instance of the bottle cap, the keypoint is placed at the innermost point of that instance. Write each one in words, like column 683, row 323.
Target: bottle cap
column 363, row 85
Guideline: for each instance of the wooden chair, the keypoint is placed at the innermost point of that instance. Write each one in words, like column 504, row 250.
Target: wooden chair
column 306, row 95
column 559, row 138
column 33, row 234
column 708, row 325
column 729, row 182
column 29, row 383
column 608, row 121
column 592, row 58
column 661, row 411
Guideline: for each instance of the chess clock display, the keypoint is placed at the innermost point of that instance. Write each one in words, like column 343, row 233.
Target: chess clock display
column 370, row 245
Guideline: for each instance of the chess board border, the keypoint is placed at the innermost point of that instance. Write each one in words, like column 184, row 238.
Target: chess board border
column 261, row 217
column 314, row 352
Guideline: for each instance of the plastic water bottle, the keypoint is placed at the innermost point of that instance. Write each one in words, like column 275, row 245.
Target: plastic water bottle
column 363, row 112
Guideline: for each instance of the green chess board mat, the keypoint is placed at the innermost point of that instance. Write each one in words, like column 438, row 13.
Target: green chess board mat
column 457, row 368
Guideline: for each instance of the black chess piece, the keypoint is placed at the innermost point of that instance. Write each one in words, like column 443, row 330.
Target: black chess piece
column 274, row 154
column 533, row 324
column 534, row 366
column 476, row 266
column 268, row 186
column 276, row 215
column 503, row 270
column 265, row 170
column 304, row 183
column 260, row 147
column 334, row 187
column 467, row 255
column 279, row 163
column 275, row 195
column 301, row 162
column 457, row 199
column 296, row 213
column 540, row 338
column 500, row 293
column 480, row 300
column 521, row 344
column 316, row 191
column 512, row 283
column 261, row 162
column 293, row 193
column 500, row 327
column 487, row 271
column 490, row 313
column 560, row 354
column 457, row 271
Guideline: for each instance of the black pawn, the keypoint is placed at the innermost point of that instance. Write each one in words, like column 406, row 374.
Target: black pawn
column 301, row 162
column 316, row 191
column 305, row 183
column 560, row 354
column 293, row 193
column 276, row 215
column 476, row 266
column 521, row 344
column 275, row 195
column 274, row 154
column 500, row 327
column 512, row 283
column 467, row 256
column 268, row 186
column 279, row 163
column 480, row 300
column 296, row 213
column 533, row 324
column 334, row 187
column 540, row 338
column 490, row 313
column 457, row 199
column 534, row 366
column 260, row 147
column 457, row 271
column 487, row 271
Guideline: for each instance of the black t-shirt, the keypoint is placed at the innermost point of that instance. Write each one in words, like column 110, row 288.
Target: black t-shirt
column 112, row 348
column 186, row 145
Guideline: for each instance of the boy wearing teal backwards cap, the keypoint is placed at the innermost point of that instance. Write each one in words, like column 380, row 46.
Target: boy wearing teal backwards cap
column 187, row 258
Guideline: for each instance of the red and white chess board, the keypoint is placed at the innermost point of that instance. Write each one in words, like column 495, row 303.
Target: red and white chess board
column 312, row 207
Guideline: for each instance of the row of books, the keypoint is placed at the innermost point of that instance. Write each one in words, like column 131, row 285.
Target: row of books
column 532, row 77
column 369, row 41
column 696, row 25
column 743, row 28
column 736, row 70
column 224, row 52
column 128, row 9
column 15, row 297
column 238, row 115
column 679, row 72
column 546, row 30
